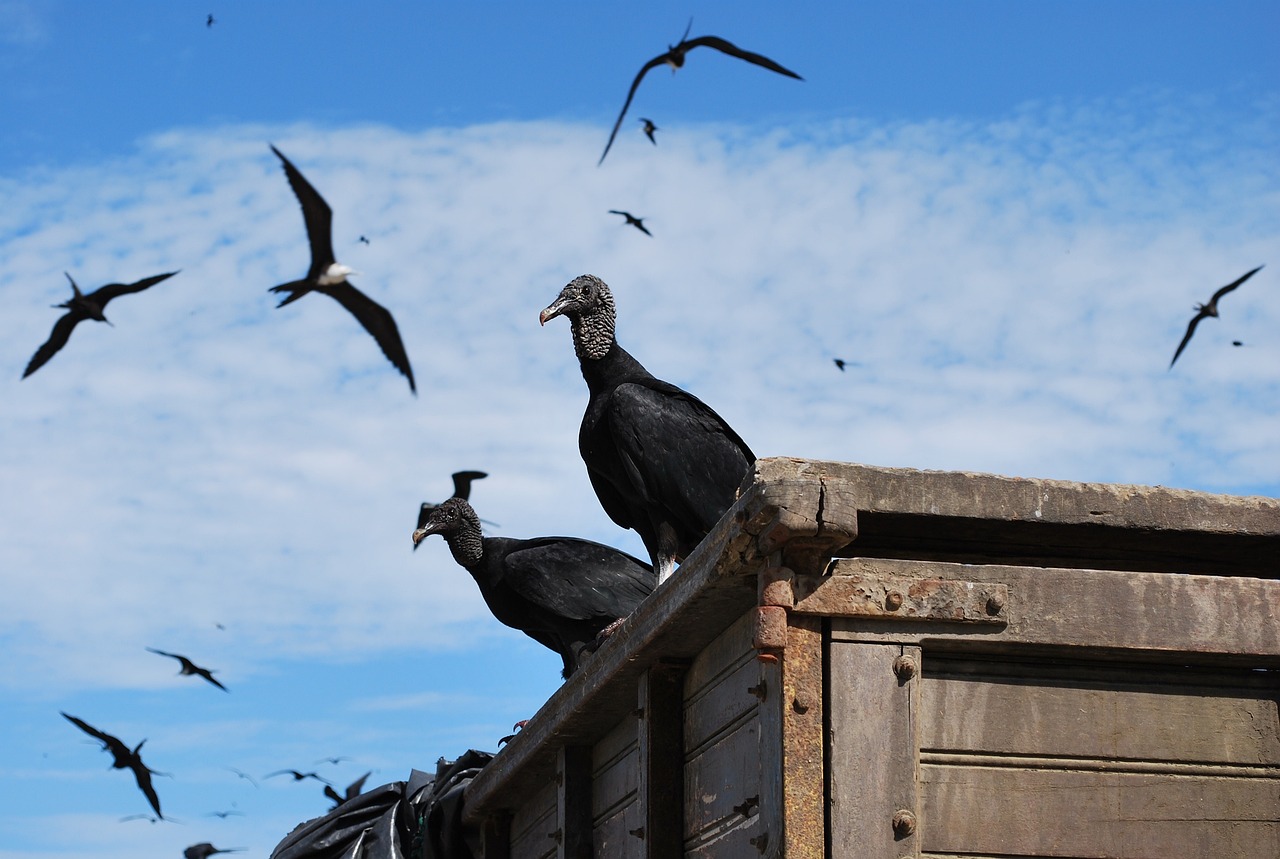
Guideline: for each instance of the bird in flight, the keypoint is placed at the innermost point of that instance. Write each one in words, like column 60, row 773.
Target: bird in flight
column 244, row 776
column 189, row 667
column 352, row 791
column 364, row 240
column 1210, row 309
column 461, row 489
column 840, row 363
column 297, row 776
column 329, row 276
column 204, row 850
column 124, row 758
column 225, row 814
column 649, row 129
column 638, row 223
column 674, row 57
column 335, row 760
column 82, row 306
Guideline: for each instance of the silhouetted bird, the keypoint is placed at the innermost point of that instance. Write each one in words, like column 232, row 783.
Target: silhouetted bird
column 839, row 363
column 649, row 129
column 674, row 57
column 297, row 776
column 83, row 306
column 559, row 591
column 353, row 790
column 124, row 758
column 244, row 776
column 208, row 22
column 334, row 761
column 149, row 818
column 660, row 460
column 461, row 489
column 189, row 667
column 329, row 276
column 1210, row 309
column 638, row 223
column 363, row 240
column 204, row 850
column 1237, row 342
column 225, row 814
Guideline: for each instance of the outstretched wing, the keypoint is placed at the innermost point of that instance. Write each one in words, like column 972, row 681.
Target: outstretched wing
column 377, row 320
column 315, row 213
column 143, row 776
column 462, row 483
column 57, row 339
column 165, row 653
column 103, row 294
column 635, row 84
column 90, row 729
column 1233, row 285
column 1191, row 329
column 734, row 51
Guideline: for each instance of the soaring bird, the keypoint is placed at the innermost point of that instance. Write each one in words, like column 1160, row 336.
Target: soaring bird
column 124, row 758
column 81, row 307
column 638, row 223
column 209, row 22
column 1210, row 309
column 559, row 591
column 840, row 362
column 461, row 489
column 649, row 129
column 329, row 276
column 352, row 791
column 244, row 775
column 297, row 776
column 204, row 850
column 674, row 57
column 189, row 667
column 661, row 461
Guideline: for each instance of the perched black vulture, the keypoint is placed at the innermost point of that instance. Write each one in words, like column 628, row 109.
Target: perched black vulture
column 190, row 668
column 124, row 758
column 661, row 461
column 461, row 489
column 1210, row 309
column 560, row 591
column 83, row 306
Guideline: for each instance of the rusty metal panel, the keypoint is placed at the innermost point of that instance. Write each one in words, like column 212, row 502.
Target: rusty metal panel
column 882, row 594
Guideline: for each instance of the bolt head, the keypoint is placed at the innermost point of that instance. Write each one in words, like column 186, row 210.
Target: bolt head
column 893, row 601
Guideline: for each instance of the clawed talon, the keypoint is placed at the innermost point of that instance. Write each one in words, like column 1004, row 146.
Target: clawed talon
column 518, row 726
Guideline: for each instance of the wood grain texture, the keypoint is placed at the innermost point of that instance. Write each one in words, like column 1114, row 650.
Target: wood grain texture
column 661, row 758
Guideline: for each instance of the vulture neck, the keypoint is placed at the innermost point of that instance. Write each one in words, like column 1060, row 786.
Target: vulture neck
column 612, row 369
column 467, row 546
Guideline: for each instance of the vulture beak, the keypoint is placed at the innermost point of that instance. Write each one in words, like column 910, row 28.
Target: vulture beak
column 422, row 533
column 557, row 307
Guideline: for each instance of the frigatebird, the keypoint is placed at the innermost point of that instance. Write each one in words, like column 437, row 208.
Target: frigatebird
column 297, row 776
column 225, row 814
column 461, row 489
column 208, row 22
column 329, row 276
column 82, row 306
column 335, row 761
column 189, row 667
column 352, row 791
column 1210, row 309
column 649, row 129
column 244, row 775
column 840, row 362
column 204, row 850
column 123, row 758
column 638, row 223
column 674, row 57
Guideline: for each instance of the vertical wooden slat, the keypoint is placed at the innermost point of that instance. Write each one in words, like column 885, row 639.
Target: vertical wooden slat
column 573, row 803
column 495, row 837
column 661, row 709
column 874, row 750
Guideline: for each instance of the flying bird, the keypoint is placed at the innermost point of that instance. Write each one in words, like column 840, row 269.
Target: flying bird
column 649, row 129
column 840, row 362
column 124, row 758
column 208, row 22
column 329, row 276
column 559, row 591
column 1210, row 309
column 83, row 306
column 352, row 791
column 638, row 223
column 204, row 850
column 334, row 761
column 674, row 57
column 189, row 667
column 149, row 818
column 363, row 240
column 660, row 460
column 297, row 776
column 461, row 489
column 244, row 776
column 225, row 814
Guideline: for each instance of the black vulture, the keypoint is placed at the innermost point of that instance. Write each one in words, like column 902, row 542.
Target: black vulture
column 329, row 276
column 124, row 758
column 674, row 57
column 560, row 591
column 81, row 307
column 661, row 461
column 461, row 489
column 1210, row 309
column 638, row 223
column 189, row 667
column 352, row 791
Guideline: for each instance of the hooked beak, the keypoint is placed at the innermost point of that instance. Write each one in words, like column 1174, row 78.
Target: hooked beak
column 557, row 307
column 422, row 533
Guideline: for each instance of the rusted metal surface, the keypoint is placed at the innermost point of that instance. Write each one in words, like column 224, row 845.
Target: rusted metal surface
column 776, row 587
column 769, row 631
column 871, row 594
column 803, row 742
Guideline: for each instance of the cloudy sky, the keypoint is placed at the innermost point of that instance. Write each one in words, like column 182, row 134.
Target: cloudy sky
column 1000, row 214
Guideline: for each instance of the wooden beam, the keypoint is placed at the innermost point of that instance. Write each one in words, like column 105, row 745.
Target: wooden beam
column 661, row 709
column 573, row 803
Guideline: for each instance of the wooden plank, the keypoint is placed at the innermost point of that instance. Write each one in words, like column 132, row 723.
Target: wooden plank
column 1027, row 812
column 573, row 804
column 533, row 825
column 495, row 836
column 740, row 838
column 722, row 785
column 873, row 754
column 622, row 834
column 1111, row 714
column 661, row 759
column 1153, row 612
column 615, row 776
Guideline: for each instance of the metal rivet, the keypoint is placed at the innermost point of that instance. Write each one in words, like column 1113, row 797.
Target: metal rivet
column 760, row 842
column 995, row 604
column 638, row 832
column 802, row 702
column 759, row 690
column 904, row 667
column 904, row 823
column 893, row 601
column 557, row 835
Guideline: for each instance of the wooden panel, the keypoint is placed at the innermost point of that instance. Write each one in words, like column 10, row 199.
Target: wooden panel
column 1155, row 612
column 615, row 769
column 873, row 749
column 1025, row 812
column 533, row 825
column 622, row 834
column 722, row 783
column 741, row 838
column 661, row 759
column 573, row 804
column 1111, row 713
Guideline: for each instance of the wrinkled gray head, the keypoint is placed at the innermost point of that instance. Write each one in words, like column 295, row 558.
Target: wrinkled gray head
column 588, row 303
column 452, row 517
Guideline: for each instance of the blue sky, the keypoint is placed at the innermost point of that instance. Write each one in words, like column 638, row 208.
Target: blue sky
column 1000, row 213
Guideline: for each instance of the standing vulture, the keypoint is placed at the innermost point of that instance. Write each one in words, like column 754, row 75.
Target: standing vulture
column 559, row 591
column 661, row 461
